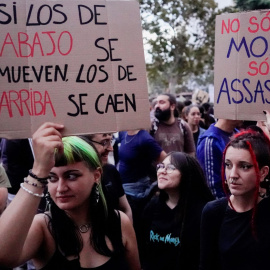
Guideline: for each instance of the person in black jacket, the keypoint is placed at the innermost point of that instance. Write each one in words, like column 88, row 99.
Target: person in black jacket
column 235, row 230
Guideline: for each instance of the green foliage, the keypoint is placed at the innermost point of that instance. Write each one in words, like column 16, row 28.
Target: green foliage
column 252, row 4
column 180, row 38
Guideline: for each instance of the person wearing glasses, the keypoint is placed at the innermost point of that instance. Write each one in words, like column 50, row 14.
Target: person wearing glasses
column 170, row 232
column 103, row 142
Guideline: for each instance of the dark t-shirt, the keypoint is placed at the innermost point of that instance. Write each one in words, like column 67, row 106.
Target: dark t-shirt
column 237, row 247
column 162, row 246
column 136, row 154
column 17, row 160
column 196, row 136
column 172, row 138
column 112, row 181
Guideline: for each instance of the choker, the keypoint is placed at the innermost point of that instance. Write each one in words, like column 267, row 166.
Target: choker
column 84, row 228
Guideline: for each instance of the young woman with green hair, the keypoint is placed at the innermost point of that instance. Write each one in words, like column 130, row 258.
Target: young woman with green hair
column 79, row 230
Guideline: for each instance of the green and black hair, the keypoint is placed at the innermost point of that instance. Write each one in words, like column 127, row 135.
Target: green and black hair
column 104, row 220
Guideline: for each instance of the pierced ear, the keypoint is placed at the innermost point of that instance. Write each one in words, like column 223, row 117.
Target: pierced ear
column 264, row 172
column 97, row 175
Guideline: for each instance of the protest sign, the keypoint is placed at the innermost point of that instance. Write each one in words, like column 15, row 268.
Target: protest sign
column 75, row 62
column 242, row 61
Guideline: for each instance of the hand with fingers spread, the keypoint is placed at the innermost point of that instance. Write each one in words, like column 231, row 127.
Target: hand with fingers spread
column 46, row 140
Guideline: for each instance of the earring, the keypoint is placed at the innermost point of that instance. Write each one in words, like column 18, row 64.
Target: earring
column 48, row 202
column 97, row 193
column 265, row 186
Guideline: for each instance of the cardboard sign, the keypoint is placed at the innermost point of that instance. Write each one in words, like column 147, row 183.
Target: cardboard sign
column 242, row 65
column 76, row 62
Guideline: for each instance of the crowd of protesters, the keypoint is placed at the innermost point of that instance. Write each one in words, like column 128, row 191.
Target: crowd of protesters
column 203, row 207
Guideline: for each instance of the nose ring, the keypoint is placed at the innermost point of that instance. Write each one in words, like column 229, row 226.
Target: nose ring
column 232, row 181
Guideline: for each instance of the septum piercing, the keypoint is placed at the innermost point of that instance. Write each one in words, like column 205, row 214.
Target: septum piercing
column 232, row 181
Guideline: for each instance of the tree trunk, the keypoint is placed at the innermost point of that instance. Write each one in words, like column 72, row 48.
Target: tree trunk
column 172, row 84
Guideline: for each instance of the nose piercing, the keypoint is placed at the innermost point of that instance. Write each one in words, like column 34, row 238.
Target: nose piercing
column 232, row 181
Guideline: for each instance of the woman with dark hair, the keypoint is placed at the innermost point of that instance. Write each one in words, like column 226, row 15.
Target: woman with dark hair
column 79, row 231
column 193, row 118
column 171, row 221
column 207, row 115
column 235, row 230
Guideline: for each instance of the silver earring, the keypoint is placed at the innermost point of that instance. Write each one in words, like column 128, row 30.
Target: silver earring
column 48, row 202
column 97, row 193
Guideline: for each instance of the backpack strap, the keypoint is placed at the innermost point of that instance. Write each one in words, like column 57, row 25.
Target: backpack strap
column 155, row 124
column 154, row 128
column 182, row 126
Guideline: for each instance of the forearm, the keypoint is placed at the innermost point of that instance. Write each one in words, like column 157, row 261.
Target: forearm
column 17, row 241
column 3, row 199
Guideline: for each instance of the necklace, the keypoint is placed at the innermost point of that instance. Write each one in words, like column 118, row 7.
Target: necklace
column 133, row 136
column 84, row 228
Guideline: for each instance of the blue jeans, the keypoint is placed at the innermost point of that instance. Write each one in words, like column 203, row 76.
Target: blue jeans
column 140, row 189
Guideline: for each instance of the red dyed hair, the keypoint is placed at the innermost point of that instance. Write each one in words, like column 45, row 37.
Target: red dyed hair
column 258, row 145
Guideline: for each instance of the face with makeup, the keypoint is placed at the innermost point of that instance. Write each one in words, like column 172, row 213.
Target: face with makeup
column 70, row 186
column 240, row 172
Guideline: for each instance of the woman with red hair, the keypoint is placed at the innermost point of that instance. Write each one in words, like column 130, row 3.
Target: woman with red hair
column 235, row 231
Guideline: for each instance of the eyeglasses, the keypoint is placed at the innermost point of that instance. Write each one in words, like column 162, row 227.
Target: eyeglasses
column 105, row 143
column 169, row 168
